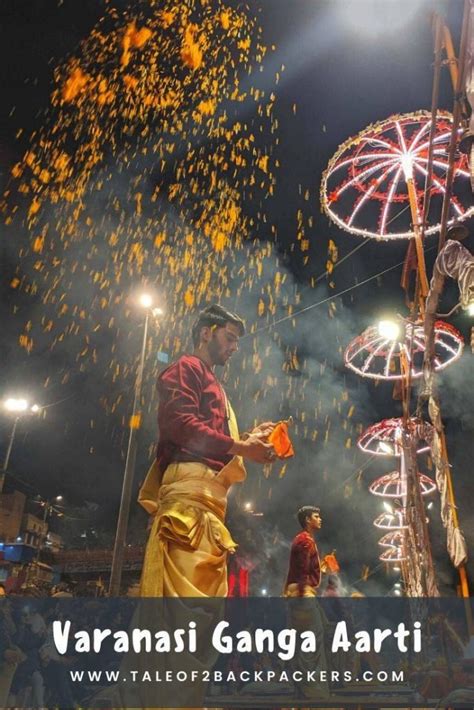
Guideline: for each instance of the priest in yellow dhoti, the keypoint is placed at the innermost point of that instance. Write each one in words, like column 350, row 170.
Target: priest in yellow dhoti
column 199, row 456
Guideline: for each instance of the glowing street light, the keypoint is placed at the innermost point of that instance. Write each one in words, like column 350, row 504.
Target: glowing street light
column 146, row 301
column 389, row 329
column 17, row 406
column 470, row 309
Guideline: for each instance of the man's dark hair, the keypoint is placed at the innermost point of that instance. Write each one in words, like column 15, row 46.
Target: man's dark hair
column 304, row 513
column 218, row 316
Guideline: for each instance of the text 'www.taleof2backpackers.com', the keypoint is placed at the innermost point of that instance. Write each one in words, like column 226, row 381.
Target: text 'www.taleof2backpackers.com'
column 218, row 677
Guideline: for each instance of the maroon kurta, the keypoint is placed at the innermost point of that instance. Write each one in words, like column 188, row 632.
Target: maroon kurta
column 305, row 568
column 192, row 415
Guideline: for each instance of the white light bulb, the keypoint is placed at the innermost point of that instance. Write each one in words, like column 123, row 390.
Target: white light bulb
column 146, row 300
column 15, row 405
column 407, row 165
column 388, row 329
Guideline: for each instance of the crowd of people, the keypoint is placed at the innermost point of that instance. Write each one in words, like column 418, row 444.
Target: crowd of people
column 32, row 673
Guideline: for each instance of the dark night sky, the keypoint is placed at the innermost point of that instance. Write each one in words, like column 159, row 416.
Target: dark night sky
column 347, row 64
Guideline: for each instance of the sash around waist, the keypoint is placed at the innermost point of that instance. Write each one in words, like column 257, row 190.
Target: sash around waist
column 191, row 507
column 193, row 484
column 185, row 480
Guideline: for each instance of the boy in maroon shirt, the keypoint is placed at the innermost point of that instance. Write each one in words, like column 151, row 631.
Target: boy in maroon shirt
column 304, row 574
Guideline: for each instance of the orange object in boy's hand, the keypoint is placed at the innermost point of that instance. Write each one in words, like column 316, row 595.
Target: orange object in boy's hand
column 281, row 441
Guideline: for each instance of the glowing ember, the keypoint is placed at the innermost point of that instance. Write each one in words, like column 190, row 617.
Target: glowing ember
column 151, row 172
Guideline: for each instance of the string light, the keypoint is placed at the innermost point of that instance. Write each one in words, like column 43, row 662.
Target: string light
column 385, row 351
column 375, row 166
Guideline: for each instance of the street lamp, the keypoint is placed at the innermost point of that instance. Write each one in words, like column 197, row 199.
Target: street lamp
column 145, row 300
column 18, row 407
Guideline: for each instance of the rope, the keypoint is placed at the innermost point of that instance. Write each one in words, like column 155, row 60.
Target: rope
column 325, row 300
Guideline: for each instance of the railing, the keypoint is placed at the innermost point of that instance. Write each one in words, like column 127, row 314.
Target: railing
column 97, row 560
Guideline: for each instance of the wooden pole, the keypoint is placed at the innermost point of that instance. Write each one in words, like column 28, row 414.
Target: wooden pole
column 457, row 111
column 451, row 55
column 420, row 254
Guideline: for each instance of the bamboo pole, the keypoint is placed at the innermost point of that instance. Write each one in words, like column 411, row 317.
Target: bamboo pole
column 420, row 254
column 451, row 55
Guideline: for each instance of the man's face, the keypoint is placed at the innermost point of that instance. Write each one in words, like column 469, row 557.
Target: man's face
column 224, row 343
column 314, row 521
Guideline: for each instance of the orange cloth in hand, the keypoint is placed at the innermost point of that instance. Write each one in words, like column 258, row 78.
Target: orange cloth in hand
column 281, row 441
column 331, row 563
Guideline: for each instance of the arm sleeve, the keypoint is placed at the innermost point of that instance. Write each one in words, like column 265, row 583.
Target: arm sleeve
column 180, row 388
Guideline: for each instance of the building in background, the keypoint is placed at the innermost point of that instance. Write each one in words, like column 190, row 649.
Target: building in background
column 12, row 508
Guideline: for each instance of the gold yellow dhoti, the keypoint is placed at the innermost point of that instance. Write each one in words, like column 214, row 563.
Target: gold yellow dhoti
column 186, row 554
column 307, row 615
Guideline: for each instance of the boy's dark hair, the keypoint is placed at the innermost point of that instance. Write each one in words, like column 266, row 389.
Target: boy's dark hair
column 304, row 513
column 218, row 316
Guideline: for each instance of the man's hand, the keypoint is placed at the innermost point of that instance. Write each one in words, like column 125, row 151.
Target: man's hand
column 254, row 449
column 263, row 430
